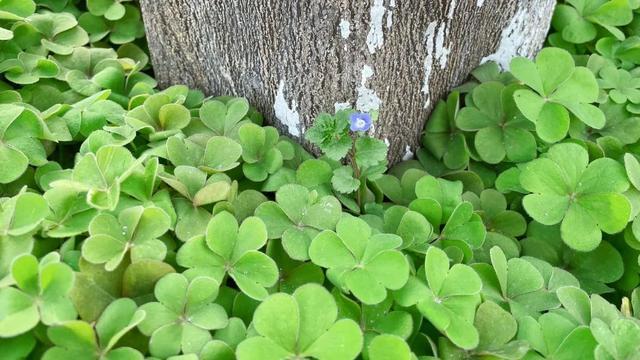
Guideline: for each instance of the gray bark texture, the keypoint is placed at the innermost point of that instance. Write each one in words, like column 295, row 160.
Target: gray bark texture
column 294, row 59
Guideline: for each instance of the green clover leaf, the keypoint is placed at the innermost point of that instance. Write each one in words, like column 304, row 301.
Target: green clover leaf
column 197, row 191
column 142, row 188
column 579, row 20
column 110, row 9
column 40, row 294
column 225, row 119
column 231, row 249
column 386, row 346
column 447, row 297
column 619, row 340
column 59, row 32
column 302, row 325
column 20, row 146
column 183, row 316
column 159, row 117
column 441, row 136
column 29, row 68
column 514, row 283
column 594, row 269
column 375, row 320
column 586, row 198
column 297, row 216
column 401, row 191
column 558, row 88
column 621, row 86
column 260, row 153
column 436, row 198
column 70, row 213
column 135, row 230
column 358, row 261
column 20, row 217
column 219, row 153
column 100, row 175
column 500, row 129
column 493, row 210
column 556, row 336
column 414, row 229
column 81, row 340
column 11, row 11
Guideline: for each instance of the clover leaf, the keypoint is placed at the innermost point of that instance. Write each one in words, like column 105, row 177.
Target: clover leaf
column 579, row 20
column 143, row 188
column 231, row 249
column 447, row 297
column 515, row 283
column 375, row 320
column 110, row 9
column 259, row 151
column 197, row 191
column 621, row 86
column 401, row 190
column 414, row 229
column 619, row 340
column 100, row 175
column 557, row 88
column 70, row 213
column 593, row 269
column 219, row 153
column 81, row 340
column 441, row 136
column 14, row 11
column 586, row 198
column 59, row 32
column 20, row 217
column 29, row 68
column 297, row 216
column 183, row 316
column 497, row 218
column 136, row 229
column 225, row 119
column 302, row 325
column 386, row 346
column 40, row 294
column 501, row 130
column 360, row 262
column 159, row 117
column 555, row 336
column 20, row 145
column 436, row 198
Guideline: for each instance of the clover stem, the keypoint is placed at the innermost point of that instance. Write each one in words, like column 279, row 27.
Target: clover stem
column 356, row 174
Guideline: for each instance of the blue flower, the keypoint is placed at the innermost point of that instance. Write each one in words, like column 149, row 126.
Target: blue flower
column 360, row 121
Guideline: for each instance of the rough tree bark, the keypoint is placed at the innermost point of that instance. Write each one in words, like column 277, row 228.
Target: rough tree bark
column 296, row 58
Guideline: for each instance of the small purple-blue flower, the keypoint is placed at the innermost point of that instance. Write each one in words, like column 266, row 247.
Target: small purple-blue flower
column 360, row 121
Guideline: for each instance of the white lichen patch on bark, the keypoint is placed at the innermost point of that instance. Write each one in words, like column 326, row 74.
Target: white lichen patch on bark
column 408, row 154
column 386, row 142
column 288, row 116
column 441, row 51
column 437, row 51
column 516, row 40
column 479, row 3
column 392, row 5
column 341, row 106
column 429, row 37
column 345, row 29
column 452, row 9
column 375, row 38
column 367, row 100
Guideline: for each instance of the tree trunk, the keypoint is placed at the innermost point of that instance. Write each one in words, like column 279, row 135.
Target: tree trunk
column 294, row 59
